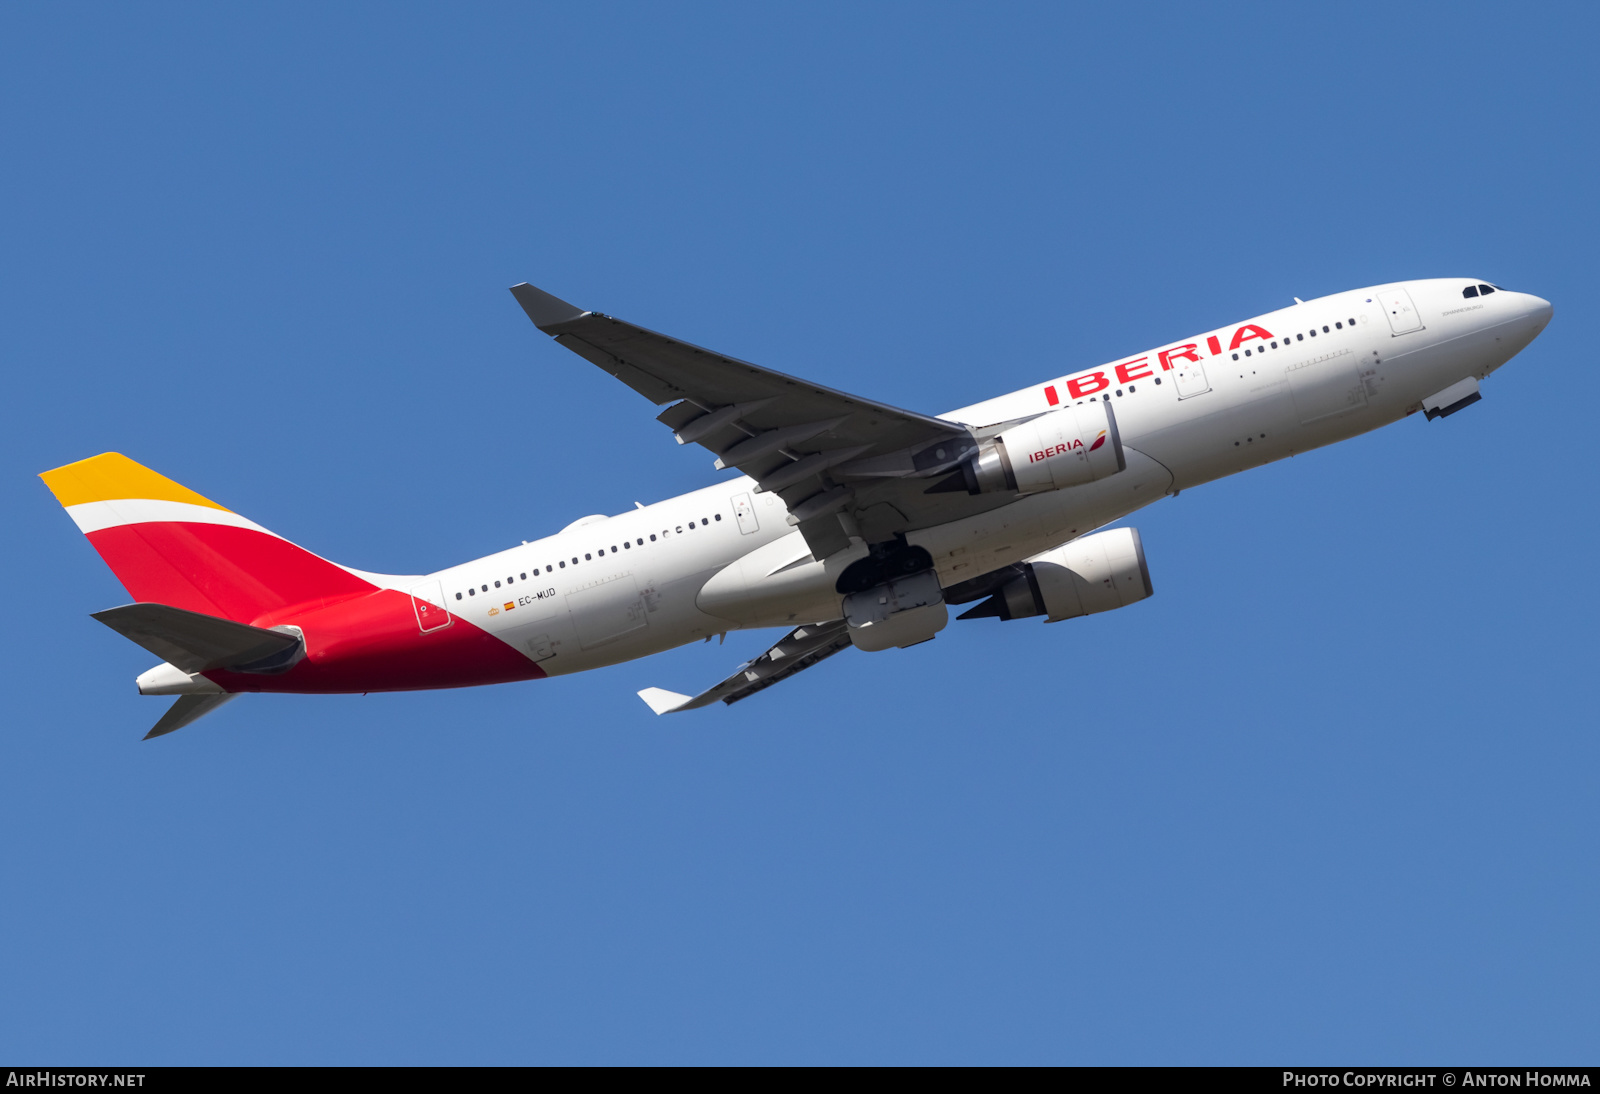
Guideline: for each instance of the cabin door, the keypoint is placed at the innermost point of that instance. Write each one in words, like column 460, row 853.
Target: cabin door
column 427, row 600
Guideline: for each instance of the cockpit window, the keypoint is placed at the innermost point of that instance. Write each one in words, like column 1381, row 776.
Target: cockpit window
column 1470, row 291
column 1486, row 289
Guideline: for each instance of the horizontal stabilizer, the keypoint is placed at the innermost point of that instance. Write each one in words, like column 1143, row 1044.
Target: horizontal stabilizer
column 662, row 701
column 189, row 708
column 199, row 643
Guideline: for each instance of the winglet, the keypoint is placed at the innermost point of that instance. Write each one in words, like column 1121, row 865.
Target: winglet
column 545, row 310
column 662, row 701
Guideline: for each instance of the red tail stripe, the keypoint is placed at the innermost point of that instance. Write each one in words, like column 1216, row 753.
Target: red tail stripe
column 237, row 573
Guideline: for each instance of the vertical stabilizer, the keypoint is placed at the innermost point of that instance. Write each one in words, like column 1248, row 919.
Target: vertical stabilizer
column 169, row 545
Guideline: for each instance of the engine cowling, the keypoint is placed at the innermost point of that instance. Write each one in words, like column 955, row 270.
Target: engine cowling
column 1066, row 447
column 1096, row 573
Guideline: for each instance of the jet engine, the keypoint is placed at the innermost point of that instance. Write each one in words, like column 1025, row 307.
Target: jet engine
column 1096, row 573
column 1066, row 447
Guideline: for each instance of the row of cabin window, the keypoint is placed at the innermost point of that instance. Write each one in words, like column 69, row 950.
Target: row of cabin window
column 1300, row 337
column 1107, row 395
column 588, row 556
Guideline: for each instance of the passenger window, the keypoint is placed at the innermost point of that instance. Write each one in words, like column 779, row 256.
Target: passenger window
column 470, row 592
column 574, row 560
column 1247, row 353
column 1299, row 338
column 549, row 569
column 652, row 537
column 1350, row 322
column 1236, row 357
column 640, row 542
column 486, row 588
column 719, row 516
column 1486, row 289
column 1313, row 334
column 626, row 546
column 1274, row 345
column 458, row 596
column 680, row 529
column 1339, row 326
column 602, row 553
column 691, row 524
column 1324, row 330
column 588, row 557
column 563, row 565
column 613, row 548
column 496, row 585
column 704, row 522
column 525, row 576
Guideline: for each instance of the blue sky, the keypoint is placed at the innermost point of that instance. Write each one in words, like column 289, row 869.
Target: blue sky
column 1329, row 795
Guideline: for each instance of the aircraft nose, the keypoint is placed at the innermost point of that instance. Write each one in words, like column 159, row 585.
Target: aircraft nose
column 1539, row 310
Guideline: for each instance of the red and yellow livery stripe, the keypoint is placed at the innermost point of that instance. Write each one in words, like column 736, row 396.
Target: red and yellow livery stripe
column 168, row 544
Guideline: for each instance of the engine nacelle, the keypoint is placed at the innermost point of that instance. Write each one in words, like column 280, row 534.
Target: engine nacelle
column 1066, row 447
column 1096, row 573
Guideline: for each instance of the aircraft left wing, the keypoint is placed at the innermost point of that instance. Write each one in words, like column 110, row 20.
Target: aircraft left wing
column 826, row 453
column 798, row 650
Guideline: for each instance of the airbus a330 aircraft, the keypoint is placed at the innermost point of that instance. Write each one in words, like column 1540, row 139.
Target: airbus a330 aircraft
column 851, row 523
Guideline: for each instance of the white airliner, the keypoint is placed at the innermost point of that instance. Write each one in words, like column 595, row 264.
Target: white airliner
column 850, row 523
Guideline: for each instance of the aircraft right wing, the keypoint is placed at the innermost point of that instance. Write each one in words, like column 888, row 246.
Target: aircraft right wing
column 798, row 650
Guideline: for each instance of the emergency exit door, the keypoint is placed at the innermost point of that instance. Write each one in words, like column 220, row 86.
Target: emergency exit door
column 744, row 514
column 1190, row 378
column 1403, row 315
column 427, row 600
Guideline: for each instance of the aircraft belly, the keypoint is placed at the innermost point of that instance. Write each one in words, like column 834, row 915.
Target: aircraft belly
column 670, row 619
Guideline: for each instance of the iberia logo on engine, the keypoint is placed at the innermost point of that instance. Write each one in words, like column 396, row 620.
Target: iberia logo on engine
column 1062, row 449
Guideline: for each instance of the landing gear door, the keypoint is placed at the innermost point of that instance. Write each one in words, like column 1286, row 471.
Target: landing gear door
column 427, row 600
column 745, row 514
column 1402, row 313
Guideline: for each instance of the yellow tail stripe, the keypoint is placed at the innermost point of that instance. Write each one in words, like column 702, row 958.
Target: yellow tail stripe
column 111, row 476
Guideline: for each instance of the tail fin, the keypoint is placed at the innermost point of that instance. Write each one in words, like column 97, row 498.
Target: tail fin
column 169, row 545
